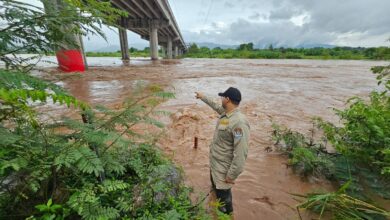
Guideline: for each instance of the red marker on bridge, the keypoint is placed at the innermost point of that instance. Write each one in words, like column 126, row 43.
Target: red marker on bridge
column 70, row 60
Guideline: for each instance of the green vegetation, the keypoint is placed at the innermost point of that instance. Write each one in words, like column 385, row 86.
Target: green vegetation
column 361, row 161
column 134, row 52
column 247, row 51
column 342, row 205
column 28, row 29
column 306, row 157
column 93, row 167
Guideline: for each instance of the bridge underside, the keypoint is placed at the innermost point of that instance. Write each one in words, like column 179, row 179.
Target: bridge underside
column 154, row 21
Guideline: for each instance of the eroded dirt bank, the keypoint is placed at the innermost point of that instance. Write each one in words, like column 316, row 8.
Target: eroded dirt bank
column 287, row 92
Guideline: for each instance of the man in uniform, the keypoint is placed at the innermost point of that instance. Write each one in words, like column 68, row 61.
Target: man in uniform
column 229, row 148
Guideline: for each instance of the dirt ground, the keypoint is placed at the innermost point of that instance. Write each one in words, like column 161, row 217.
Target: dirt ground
column 287, row 92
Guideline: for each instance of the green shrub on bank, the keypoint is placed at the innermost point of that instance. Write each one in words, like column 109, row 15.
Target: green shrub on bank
column 361, row 161
column 95, row 167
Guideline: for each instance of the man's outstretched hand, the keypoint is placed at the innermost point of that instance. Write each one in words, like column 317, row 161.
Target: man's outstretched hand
column 199, row 95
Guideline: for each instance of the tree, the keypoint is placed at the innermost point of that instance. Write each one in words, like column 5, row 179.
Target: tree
column 28, row 28
column 146, row 49
column 248, row 46
column 193, row 48
column 241, row 47
column 132, row 49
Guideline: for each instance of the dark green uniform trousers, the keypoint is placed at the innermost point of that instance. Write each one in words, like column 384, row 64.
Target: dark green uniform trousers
column 225, row 197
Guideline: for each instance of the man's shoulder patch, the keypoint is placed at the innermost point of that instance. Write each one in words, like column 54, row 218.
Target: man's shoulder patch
column 237, row 133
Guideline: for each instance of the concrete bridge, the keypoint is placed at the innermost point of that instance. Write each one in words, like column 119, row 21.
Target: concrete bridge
column 153, row 20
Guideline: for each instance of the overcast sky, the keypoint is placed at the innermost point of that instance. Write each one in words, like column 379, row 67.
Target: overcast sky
column 285, row 22
column 280, row 22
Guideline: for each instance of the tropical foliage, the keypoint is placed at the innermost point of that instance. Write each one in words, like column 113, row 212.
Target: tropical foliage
column 96, row 167
column 100, row 165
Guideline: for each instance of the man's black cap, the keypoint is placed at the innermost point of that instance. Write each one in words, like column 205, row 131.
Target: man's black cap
column 232, row 93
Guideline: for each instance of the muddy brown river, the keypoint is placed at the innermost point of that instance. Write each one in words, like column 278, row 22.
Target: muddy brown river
column 287, row 92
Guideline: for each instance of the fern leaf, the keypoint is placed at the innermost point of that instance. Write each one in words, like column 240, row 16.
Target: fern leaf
column 113, row 185
column 111, row 164
column 89, row 162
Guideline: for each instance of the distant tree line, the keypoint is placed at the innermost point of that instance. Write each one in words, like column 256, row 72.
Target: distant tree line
column 133, row 51
column 248, row 51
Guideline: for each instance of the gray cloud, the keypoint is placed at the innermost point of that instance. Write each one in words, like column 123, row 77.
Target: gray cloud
column 349, row 16
column 284, row 13
column 344, row 23
column 228, row 4
column 283, row 33
column 254, row 16
column 293, row 22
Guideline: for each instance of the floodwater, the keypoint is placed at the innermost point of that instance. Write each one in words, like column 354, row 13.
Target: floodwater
column 287, row 92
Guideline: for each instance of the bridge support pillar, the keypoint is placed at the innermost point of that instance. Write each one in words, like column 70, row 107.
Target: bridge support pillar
column 169, row 48
column 176, row 51
column 153, row 41
column 124, row 44
column 163, row 52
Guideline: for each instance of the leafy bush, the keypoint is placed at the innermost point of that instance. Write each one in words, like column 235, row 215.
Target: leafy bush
column 306, row 157
column 308, row 162
column 94, row 168
column 361, row 163
column 365, row 134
